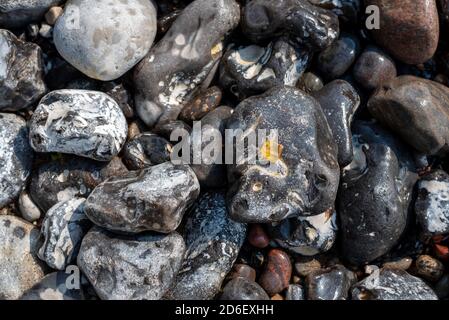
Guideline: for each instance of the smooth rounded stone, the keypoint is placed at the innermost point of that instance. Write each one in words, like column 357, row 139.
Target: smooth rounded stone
column 295, row 292
column 28, row 209
column 53, row 14
column 304, row 268
column 21, row 268
column 310, row 82
column 432, row 203
column 46, row 31
column 141, row 267
column 302, row 177
column 375, row 194
column 145, row 150
column 339, row 57
column 307, row 236
column 105, row 39
column 373, row 68
column 184, row 60
column 390, row 284
column 68, row 177
column 429, row 268
column 80, row 122
column 402, row 264
column 252, row 69
column 243, row 289
column 213, row 242
column 330, row 284
column 348, row 11
column 257, row 236
column 416, row 109
column 19, row 13
column 277, row 273
column 244, row 271
column 153, row 199
column 166, row 129
column 21, row 72
column 54, row 287
column 307, row 24
column 16, row 157
column 63, row 228
column 340, row 101
column 201, row 104
column 409, row 29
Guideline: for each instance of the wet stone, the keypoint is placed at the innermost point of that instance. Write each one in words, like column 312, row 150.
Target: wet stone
column 84, row 123
column 310, row 82
column 16, row 157
column 54, row 287
column 257, row 236
column 389, row 284
column 63, row 228
column 166, row 129
column 19, row 13
column 301, row 176
column 162, row 83
column 213, row 242
column 277, row 273
column 330, row 284
column 142, row 267
column 243, row 289
column 432, row 204
column 21, row 72
column 108, row 47
column 304, row 268
column 348, row 11
column 429, row 268
column 154, row 199
column 295, row 292
column 146, row 150
column 201, row 104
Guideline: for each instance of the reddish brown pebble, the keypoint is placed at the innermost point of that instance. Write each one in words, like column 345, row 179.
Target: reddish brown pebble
column 442, row 252
column 201, row 104
column 409, row 29
column 257, row 236
column 243, row 271
column 277, row 273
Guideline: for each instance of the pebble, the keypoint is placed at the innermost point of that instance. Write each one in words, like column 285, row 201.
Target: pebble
column 330, row 284
column 163, row 87
column 146, row 150
column 16, row 157
column 257, row 236
column 46, row 31
column 389, row 284
column 277, row 273
column 21, row 268
column 53, row 287
column 63, row 229
column 84, row 123
column 105, row 39
column 429, row 268
column 310, row 82
column 243, row 289
column 21, row 72
column 373, row 68
column 340, row 101
column 28, row 209
column 242, row 270
column 304, row 268
column 141, row 267
column 154, row 199
column 409, row 29
column 295, row 292
column 348, row 11
column 402, row 264
column 213, row 242
column 203, row 103
column 19, row 13
column 303, row 175
column 432, row 203
column 53, row 14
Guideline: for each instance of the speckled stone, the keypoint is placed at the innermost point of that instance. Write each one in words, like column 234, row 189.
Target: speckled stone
column 429, row 268
column 19, row 13
column 106, row 38
column 213, row 242
column 348, row 11
column 80, row 122
column 142, row 267
column 409, row 29
column 243, row 289
column 16, row 157
column 203, row 103
column 53, row 287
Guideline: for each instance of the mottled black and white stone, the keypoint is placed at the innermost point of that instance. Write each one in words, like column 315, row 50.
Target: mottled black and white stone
column 392, row 284
column 105, row 39
column 68, row 177
column 213, row 242
column 243, row 289
column 54, row 287
column 330, row 284
column 307, row 24
column 295, row 292
column 16, row 157
column 339, row 101
column 185, row 58
column 146, row 150
column 375, row 194
column 142, row 267
column 80, row 122
column 153, row 199
column 21, row 72
column 348, row 11
column 249, row 70
column 298, row 174
column 63, row 228
column 20, row 267
column 19, row 13
column 432, row 203
column 307, row 236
